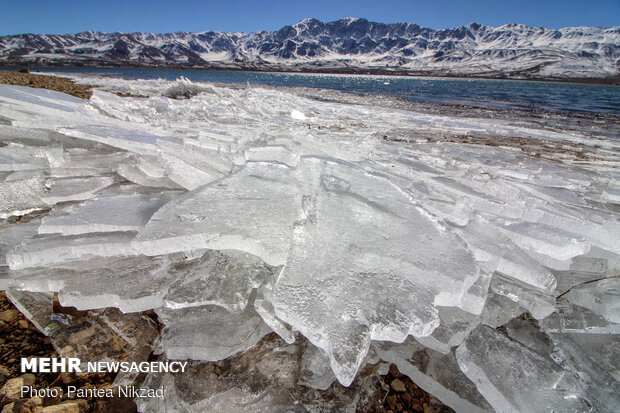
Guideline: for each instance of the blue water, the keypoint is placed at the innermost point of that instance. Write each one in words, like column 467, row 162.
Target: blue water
column 493, row 94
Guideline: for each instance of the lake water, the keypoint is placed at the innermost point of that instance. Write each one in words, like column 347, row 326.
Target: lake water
column 493, row 94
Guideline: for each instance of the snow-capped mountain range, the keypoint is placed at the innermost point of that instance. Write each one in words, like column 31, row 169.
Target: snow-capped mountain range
column 345, row 45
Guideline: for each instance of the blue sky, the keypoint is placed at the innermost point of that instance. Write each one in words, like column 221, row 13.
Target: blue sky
column 71, row 16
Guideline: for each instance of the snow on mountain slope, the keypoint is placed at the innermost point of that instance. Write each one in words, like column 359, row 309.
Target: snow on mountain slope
column 348, row 44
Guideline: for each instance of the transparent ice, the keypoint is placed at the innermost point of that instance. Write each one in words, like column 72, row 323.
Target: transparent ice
column 481, row 255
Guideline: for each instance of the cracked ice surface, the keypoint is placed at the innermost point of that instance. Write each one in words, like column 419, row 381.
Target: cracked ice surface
column 354, row 232
column 366, row 263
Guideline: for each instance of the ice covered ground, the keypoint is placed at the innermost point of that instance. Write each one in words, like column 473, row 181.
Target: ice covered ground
column 479, row 255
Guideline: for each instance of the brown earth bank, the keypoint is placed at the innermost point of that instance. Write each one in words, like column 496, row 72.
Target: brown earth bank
column 59, row 84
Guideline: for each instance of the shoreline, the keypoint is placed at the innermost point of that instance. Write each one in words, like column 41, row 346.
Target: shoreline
column 609, row 81
column 59, row 84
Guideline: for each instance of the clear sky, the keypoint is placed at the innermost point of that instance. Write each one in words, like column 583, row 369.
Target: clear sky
column 72, row 16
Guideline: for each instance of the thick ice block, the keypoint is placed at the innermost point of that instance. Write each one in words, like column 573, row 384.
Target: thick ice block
column 252, row 210
column 514, row 378
column 366, row 263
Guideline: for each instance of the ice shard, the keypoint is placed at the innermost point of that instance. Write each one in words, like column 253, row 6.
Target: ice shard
column 251, row 210
column 103, row 214
column 225, row 279
column 209, row 333
column 51, row 249
column 527, row 382
column 366, row 263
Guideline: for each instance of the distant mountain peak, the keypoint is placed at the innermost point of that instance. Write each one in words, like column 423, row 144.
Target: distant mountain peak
column 349, row 44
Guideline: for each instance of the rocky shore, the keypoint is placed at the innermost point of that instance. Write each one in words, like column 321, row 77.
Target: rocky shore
column 59, row 84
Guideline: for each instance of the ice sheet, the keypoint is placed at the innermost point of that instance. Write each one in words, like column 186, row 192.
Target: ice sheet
column 237, row 211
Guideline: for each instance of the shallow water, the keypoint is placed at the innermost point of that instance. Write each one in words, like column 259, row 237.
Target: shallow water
column 483, row 93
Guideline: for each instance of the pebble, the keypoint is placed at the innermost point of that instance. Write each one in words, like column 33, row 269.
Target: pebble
column 8, row 408
column 32, row 405
column 54, row 400
column 11, row 390
column 4, row 373
column 67, row 378
column 398, row 386
column 9, row 316
column 391, row 400
column 28, row 378
column 62, row 408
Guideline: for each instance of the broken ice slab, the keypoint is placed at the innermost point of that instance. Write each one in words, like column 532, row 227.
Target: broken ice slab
column 47, row 100
column 251, row 210
column 594, row 265
column 475, row 298
column 594, row 358
column 436, row 373
column 601, row 297
column 455, row 325
column 100, row 282
column 57, row 190
column 225, row 279
column 25, row 136
column 572, row 318
column 12, row 235
column 209, row 333
column 539, row 303
column 102, row 161
column 366, row 263
column 315, row 371
column 53, row 249
column 15, row 157
column 514, row 378
column 184, row 174
column 197, row 157
column 499, row 309
column 135, row 141
column 499, row 253
column 528, row 333
column 104, row 282
column 103, row 214
column 263, row 304
column 592, row 230
column 99, row 335
column 36, row 307
column 23, row 196
column 145, row 171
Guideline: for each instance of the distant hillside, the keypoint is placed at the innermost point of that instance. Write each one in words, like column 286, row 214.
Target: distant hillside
column 345, row 45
